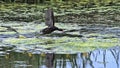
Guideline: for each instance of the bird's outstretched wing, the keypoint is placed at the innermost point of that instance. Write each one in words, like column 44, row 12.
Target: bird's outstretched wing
column 49, row 17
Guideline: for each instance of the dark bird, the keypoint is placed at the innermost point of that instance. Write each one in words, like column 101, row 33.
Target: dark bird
column 49, row 21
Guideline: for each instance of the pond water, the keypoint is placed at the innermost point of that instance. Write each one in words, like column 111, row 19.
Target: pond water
column 87, row 42
column 80, row 46
column 100, row 58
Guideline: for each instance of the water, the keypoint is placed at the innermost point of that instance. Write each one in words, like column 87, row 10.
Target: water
column 60, row 50
column 109, row 58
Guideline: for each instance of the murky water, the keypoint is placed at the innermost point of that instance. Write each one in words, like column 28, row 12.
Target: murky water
column 74, row 48
column 79, row 46
column 109, row 58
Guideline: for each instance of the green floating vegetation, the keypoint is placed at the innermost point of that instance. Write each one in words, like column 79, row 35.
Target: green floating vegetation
column 24, row 14
column 65, row 44
column 71, row 14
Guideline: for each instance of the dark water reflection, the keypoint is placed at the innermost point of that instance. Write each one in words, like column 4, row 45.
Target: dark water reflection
column 109, row 58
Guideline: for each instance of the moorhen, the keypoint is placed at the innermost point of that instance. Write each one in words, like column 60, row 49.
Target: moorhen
column 49, row 18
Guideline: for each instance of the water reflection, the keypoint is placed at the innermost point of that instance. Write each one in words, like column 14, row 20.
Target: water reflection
column 109, row 58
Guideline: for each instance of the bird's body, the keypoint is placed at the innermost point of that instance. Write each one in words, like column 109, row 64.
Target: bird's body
column 50, row 30
column 49, row 17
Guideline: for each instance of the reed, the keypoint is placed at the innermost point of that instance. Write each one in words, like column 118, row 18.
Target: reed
column 82, row 2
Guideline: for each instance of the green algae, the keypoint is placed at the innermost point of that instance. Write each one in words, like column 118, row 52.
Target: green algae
column 28, row 13
column 65, row 44
column 91, row 40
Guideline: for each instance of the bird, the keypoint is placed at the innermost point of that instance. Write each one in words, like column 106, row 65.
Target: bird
column 49, row 30
column 49, row 21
